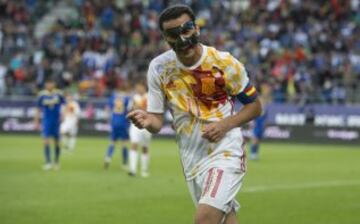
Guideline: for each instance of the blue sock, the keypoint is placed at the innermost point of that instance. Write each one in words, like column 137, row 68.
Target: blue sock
column 57, row 153
column 254, row 149
column 125, row 155
column 110, row 151
column 47, row 153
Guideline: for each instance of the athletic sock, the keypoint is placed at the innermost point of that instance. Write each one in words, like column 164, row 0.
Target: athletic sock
column 65, row 141
column 133, row 158
column 144, row 160
column 71, row 142
column 254, row 149
column 125, row 155
column 110, row 152
column 47, row 154
column 57, row 153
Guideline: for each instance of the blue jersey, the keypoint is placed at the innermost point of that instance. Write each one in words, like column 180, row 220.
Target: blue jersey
column 50, row 105
column 119, row 105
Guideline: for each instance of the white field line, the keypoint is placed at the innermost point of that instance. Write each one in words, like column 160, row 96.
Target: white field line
column 309, row 185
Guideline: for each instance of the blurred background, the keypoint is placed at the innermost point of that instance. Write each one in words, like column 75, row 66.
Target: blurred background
column 302, row 55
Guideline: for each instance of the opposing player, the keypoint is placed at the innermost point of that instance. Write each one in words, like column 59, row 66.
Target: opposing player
column 257, row 135
column 199, row 84
column 69, row 125
column 259, row 124
column 139, row 137
column 49, row 103
column 118, row 107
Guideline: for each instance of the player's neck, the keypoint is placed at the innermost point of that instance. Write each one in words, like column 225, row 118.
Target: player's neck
column 189, row 61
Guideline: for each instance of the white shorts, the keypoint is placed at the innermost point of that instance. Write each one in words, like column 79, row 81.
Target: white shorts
column 139, row 136
column 69, row 127
column 217, row 187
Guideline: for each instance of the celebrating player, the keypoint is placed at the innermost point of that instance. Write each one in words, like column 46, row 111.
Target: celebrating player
column 69, row 125
column 199, row 84
column 49, row 104
column 119, row 105
column 139, row 137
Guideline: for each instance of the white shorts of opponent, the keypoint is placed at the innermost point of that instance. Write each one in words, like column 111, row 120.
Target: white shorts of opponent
column 69, row 127
column 141, row 137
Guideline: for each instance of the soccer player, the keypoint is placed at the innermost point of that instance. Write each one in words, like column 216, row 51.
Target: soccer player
column 49, row 105
column 199, row 83
column 119, row 105
column 69, row 125
column 259, row 124
column 139, row 137
column 257, row 135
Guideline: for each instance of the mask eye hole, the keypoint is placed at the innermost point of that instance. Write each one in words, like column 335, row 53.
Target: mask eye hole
column 184, row 29
column 187, row 27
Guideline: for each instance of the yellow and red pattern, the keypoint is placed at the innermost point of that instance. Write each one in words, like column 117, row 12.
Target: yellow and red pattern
column 140, row 101
column 196, row 96
column 205, row 91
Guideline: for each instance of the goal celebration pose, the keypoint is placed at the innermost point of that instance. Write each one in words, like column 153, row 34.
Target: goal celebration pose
column 199, row 84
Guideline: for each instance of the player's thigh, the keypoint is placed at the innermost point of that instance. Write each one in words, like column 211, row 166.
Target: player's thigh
column 73, row 129
column 143, row 138
column 206, row 214
column 136, row 135
column 64, row 128
column 55, row 132
column 115, row 133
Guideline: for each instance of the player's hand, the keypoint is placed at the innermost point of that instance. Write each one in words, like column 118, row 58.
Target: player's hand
column 139, row 118
column 214, row 132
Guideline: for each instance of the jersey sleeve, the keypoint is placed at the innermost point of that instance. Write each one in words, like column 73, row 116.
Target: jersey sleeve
column 236, row 77
column 237, row 82
column 156, row 98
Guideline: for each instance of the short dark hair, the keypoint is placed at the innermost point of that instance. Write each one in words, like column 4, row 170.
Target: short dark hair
column 173, row 12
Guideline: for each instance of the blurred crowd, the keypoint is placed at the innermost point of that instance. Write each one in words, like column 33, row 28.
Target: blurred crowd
column 297, row 51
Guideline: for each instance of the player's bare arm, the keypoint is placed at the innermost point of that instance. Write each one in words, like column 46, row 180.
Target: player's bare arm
column 37, row 119
column 150, row 121
column 214, row 132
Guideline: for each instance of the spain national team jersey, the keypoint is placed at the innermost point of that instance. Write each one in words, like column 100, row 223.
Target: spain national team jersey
column 198, row 95
column 50, row 105
column 140, row 101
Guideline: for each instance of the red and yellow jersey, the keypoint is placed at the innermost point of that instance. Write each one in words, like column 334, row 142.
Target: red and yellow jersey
column 197, row 95
column 140, row 101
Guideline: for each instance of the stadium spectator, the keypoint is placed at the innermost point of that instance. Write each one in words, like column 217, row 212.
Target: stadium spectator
column 302, row 57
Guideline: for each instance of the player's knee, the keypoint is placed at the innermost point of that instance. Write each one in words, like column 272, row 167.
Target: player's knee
column 134, row 146
column 205, row 217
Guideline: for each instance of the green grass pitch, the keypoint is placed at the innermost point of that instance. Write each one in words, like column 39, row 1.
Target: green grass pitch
column 292, row 183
